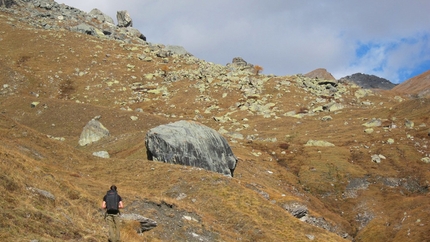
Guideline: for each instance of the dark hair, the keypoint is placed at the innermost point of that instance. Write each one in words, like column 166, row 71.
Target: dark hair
column 113, row 187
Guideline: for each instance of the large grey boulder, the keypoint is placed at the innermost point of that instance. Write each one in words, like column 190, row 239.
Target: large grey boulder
column 7, row 3
column 146, row 224
column 93, row 132
column 192, row 144
column 176, row 49
column 99, row 15
column 124, row 19
column 84, row 28
column 133, row 32
column 239, row 61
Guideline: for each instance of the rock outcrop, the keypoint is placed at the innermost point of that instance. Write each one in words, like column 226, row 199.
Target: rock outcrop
column 192, row 144
column 240, row 64
column 55, row 16
column 146, row 224
column 124, row 19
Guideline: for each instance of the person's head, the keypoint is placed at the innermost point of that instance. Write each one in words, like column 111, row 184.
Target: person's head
column 113, row 187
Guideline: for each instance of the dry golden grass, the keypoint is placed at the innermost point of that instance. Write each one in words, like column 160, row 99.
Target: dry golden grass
column 73, row 77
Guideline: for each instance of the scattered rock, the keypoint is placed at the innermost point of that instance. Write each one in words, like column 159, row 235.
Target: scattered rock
column 409, row 124
column 426, row 160
column 373, row 123
column 56, row 138
column 354, row 185
column 391, row 181
column 189, row 218
column 124, row 19
column 41, row 192
column 296, row 209
column 318, row 143
column 34, row 104
column 310, row 236
column 133, row 32
column 239, row 61
column 99, row 15
column 84, row 28
column 362, row 93
column 93, row 132
column 176, row 49
column 364, row 217
column 146, row 224
column 377, row 158
column 334, row 107
column 101, row 154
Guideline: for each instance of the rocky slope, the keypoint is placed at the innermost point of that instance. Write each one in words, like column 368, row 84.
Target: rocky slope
column 319, row 160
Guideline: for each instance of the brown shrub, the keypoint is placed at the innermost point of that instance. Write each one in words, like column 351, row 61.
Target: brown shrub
column 303, row 110
column 66, row 88
column 258, row 69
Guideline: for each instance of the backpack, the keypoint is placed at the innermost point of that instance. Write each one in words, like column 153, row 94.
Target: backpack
column 112, row 201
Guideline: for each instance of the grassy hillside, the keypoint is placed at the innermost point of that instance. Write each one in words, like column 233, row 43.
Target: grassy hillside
column 54, row 81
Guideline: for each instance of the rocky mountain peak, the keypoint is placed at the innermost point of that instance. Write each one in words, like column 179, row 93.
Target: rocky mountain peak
column 369, row 81
column 320, row 73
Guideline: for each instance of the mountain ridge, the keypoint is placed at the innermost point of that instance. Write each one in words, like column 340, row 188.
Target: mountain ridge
column 418, row 85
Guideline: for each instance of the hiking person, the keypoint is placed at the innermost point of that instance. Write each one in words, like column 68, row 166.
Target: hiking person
column 112, row 202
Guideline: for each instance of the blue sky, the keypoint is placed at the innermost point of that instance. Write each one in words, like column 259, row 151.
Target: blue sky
column 386, row 38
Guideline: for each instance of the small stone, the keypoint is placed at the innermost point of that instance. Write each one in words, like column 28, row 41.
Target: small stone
column 181, row 196
column 326, row 118
column 34, row 104
column 426, row 160
column 373, row 123
column 376, row 159
column 101, row 154
column 409, row 124
column 318, row 143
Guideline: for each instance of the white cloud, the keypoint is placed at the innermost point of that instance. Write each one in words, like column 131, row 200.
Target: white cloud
column 288, row 36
